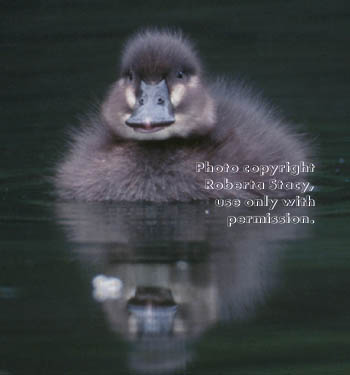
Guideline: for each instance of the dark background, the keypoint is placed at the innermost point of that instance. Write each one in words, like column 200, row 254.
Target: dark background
column 57, row 60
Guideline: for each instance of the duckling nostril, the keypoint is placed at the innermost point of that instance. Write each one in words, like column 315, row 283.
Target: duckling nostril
column 142, row 101
column 160, row 101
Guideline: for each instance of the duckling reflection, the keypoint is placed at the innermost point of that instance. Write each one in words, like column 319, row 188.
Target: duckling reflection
column 168, row 272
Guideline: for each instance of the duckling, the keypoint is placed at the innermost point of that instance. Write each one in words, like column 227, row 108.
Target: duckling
column 160, row 118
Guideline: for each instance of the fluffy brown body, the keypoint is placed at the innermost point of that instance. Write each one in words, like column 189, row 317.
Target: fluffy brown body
column 217, row 122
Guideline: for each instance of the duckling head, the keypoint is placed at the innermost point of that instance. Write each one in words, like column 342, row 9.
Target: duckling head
column 160, row 93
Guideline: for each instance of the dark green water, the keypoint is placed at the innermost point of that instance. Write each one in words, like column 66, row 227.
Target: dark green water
column 256, row 300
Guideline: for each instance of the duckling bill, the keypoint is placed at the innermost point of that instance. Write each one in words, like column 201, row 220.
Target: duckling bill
column 153, row 109
column 160, row 118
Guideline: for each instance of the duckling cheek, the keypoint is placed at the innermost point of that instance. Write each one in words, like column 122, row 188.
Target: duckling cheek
column 130, row 97
column 177, row 93
column 194, row 81
column 121, row 82
column 124, row 117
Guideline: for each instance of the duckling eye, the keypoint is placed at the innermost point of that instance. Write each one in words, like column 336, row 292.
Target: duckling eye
column 130, row 75
column 180, row 74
